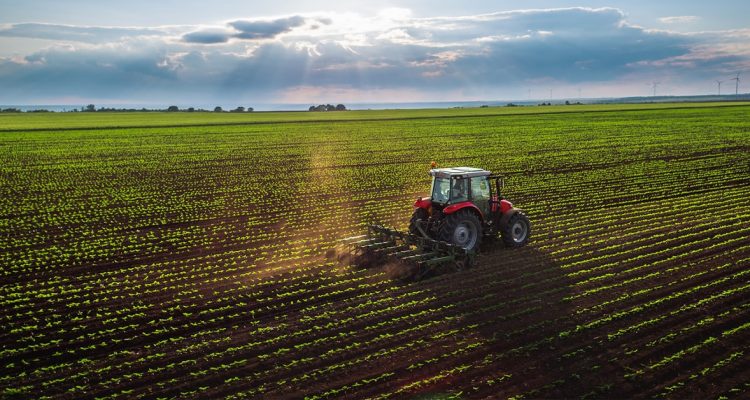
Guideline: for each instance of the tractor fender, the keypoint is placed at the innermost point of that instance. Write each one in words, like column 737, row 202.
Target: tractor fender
column 501, row 205
column 507, row 214
column 423, row 203
column 460, row 206
column 505, row 206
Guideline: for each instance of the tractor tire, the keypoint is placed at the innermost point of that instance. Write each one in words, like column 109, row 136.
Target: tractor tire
column 462, row 228
column 516, row 229
column 419, row 214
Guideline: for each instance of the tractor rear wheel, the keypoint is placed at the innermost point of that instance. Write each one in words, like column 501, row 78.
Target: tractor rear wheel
column 462, row 228
column 419, row 214
column 516, row 230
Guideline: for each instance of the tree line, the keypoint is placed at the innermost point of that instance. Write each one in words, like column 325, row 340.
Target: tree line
column 92, row 108
column 217, row 109
column 327, row 107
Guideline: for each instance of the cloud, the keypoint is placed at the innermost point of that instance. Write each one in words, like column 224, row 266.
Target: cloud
column 265, row 29
column 252, row 29
column 99, row 72
column 681, row 19
column 208, row 36
column 490, row 56
column 88, row 34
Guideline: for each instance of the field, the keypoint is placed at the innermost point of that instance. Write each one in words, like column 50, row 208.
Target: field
column 158, row 255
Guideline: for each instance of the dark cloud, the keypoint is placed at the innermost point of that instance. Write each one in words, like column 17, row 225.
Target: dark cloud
column 207, row 37
column 265, row 29
column 99, row 73
column 563, row 56
column 75, row 33
column 247, row 29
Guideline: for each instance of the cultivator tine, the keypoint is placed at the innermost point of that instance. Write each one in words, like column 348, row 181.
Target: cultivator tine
column 364, row 242
column 355, row 238
column 418, row 257
column 438, row 260
column 381, row 243
column 400, row 254
column 390, row 251
column 377, row 245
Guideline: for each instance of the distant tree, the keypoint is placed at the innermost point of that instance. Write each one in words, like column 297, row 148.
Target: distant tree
column 238, row 110
column 327, row 107
column 173, row 109
column 191, row 109
column 250, row 109
column 484, row 106
column 90, row 108
column 218, row 109
column 567, row 102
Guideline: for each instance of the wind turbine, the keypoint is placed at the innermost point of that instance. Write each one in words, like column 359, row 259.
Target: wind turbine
column 719, row 83
column 736, row 80
column 654, row 85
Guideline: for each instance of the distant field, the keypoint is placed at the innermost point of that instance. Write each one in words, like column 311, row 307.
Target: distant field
column 151, row 255
column 35, row 121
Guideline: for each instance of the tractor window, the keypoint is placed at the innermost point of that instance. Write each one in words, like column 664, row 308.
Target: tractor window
column 480, row 193
column 460, row 190
column 480, row 189
column 440, row 190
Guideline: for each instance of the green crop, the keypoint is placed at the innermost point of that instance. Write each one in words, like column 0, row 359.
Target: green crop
column 164, row 255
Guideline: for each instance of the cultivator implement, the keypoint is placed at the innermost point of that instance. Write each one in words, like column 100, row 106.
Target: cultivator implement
column 422, row 254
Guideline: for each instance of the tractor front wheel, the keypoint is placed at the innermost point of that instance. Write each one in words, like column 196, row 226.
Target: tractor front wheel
column 516, row 230
column 462, row 228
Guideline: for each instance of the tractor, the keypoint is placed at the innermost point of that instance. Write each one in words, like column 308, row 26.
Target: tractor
column 465, row 207
column 448, row 227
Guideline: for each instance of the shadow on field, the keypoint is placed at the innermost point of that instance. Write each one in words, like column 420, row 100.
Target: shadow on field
column 510, row 306
column 494, row 258
column 518, row 287
column 512, row 301
column 525, row 287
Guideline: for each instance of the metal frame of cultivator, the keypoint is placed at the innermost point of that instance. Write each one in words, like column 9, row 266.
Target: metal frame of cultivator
column 384, row 244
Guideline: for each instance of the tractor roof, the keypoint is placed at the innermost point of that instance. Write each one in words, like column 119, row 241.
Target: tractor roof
column 465, row 172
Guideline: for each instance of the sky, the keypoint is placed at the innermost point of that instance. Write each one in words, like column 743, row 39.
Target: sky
column 246, row 52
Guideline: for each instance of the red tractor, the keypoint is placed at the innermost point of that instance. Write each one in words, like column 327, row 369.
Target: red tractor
column 448, row 227
column 464, row 207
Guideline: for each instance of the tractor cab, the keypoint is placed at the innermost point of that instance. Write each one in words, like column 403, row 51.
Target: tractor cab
column 461, row 184
column 452, row 185
column 467, row 186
